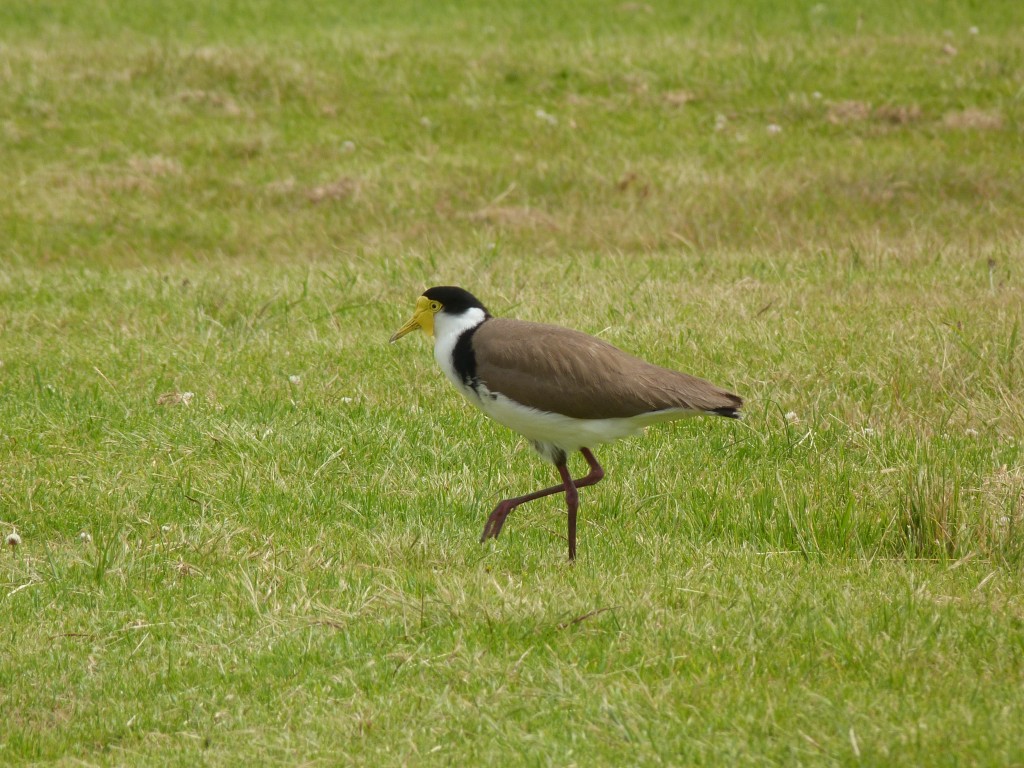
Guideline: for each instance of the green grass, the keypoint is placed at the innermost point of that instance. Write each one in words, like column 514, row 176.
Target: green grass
column 243, row 200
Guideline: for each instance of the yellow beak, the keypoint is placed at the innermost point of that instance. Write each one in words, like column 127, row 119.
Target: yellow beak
column 422, row 317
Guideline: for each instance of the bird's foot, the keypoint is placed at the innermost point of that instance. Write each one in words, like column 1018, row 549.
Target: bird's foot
column 497, row 519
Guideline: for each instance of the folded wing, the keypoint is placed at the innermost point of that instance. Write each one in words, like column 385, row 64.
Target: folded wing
column 564, row 371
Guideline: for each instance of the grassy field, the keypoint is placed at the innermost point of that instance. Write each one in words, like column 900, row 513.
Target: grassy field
column 249, row 525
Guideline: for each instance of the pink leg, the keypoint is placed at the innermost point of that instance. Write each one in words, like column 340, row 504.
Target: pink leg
column 572, row 503
column 497, row 519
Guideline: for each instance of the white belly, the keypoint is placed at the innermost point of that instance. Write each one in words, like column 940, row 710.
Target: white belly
column 565, row 433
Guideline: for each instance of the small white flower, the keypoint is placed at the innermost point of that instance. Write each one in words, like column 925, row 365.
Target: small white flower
column 348, row 147
column 720, row 122
column 294, row 380
column 426, row 122
column 971, row 432
column 186, row 397
column 774, row 128
column 13, row 539
column 867, row 431
column 84, row 537
column 165, row 528
column 816, row 95
column 791, row 417
column 346, row 399
column 972, row 31
column 546, row 117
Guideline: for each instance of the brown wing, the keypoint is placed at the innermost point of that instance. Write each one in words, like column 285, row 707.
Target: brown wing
column 564, row 371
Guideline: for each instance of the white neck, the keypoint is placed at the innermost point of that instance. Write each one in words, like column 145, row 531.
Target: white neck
column 447, row 329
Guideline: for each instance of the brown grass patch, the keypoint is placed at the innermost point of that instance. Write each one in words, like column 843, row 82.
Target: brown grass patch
column 678, row 98
column 175, row 398
column 212, row 99
column 342, row 189
column 897, row 114
column 974, row 119
column 845, row 112
column 514, row 217
column 155, row 166
column 635, row 182
column 281, row 186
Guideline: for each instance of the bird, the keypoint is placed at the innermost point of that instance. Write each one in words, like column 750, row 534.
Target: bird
column 563, row 390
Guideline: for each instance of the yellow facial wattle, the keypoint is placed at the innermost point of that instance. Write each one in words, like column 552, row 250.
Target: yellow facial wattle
column 422, row 317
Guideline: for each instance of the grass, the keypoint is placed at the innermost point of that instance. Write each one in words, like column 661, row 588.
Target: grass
column 817, row 206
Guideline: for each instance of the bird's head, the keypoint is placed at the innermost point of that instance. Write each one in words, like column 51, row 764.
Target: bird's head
column 445, row 299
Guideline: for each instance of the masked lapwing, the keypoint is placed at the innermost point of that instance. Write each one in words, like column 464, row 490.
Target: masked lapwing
column 563, row 390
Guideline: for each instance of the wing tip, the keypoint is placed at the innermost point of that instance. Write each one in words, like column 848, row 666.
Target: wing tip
column 731, row 411
column 728, row 412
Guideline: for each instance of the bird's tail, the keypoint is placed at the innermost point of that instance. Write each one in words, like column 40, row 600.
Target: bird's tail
column 731, row 410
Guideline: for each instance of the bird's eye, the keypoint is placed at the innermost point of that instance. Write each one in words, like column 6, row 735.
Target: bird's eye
column 435, row 306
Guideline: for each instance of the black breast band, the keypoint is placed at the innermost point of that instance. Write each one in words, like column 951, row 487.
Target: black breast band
column 463, row 359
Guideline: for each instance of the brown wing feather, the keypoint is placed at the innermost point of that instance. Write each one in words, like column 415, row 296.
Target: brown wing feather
column 564, row 371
